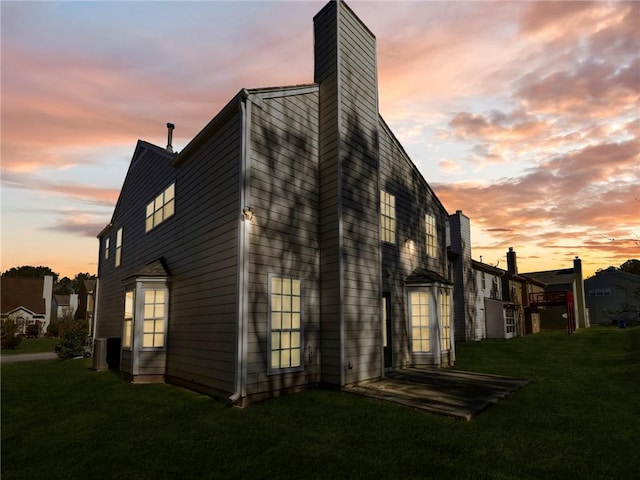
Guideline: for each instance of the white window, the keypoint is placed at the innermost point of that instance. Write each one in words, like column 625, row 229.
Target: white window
column 510, row 321
column 420, row 321
column 106, row 248
column 285, row 340
column 445, row 321
column 161, row 208
column 118, row 247
column 388, row 217
column 153, row 323
column 432, row 245
column 127, row 329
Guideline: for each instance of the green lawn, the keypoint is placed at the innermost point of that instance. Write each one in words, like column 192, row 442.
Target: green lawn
column 32, row 345
column 579, row 419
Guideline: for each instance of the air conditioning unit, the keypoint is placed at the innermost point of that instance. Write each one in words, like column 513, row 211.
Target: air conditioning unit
column 100, row 354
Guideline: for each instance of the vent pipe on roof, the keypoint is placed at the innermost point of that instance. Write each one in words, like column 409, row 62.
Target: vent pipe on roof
column 170, row 127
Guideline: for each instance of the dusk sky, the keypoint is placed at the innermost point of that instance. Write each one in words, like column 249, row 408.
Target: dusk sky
column 524, row 115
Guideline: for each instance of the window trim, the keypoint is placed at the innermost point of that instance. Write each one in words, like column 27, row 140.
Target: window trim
column 445, row 320
column 277, row 371
column 431, row 235
column 428, row 328
column 387, row 220
column 140, row 330
column 131, row 327
column 118, row 250
column 150, row 222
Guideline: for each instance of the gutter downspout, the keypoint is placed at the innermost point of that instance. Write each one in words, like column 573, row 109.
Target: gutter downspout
column 240, row 392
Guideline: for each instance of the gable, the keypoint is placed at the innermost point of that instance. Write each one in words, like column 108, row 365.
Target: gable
column 145, row 162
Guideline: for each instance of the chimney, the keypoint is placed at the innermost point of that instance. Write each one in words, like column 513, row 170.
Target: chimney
column 170, row 127
column 512, row 264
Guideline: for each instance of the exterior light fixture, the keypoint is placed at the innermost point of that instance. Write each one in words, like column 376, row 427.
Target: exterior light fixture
column 248, row 213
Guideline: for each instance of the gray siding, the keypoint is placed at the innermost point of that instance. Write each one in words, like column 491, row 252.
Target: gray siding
column 414, row 199
column 349, row 232
column 284, row 232
column 465, row 291
column 199, row 244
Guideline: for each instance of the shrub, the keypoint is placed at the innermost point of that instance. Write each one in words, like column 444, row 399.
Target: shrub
column 73, row 337
column 53, row 329
column 34, row 330
column 9, row 334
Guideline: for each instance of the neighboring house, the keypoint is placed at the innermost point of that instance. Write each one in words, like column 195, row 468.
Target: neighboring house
column 27, row 301
column 65, row 306
column 569, row 282
column 613, row 295
column 291, row 243
column 86, row 302
column 516, row 290
column 488, row 302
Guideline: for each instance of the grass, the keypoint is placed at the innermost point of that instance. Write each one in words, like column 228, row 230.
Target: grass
column 33, row 345
column 579, row 419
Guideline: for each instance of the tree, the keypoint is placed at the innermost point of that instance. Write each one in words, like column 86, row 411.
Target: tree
column 64, row 287
column 631, row 266
column 9, row 334
column 28, row 271
column 79, row 279
column 73, row 338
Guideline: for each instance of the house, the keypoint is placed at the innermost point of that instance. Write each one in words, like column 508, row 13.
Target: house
column 291, row 243
column 613, row 295
column 26, row 301
column 65, row 306
column 86, row 303
column 523, row 315
column 564, row 299
column 489, row 302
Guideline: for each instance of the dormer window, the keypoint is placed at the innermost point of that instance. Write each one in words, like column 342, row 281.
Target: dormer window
column 161, row 208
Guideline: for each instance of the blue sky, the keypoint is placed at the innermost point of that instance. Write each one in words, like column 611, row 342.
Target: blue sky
column 525, row 115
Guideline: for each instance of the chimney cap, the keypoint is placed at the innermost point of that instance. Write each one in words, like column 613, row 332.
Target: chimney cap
column 511, row 249
column 170, row 125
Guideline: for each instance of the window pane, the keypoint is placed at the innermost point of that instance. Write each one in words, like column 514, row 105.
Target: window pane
column 159, row 340
column 276, row 285
column 286, row 286
column 149, row 311
column 285, row 358
column 276, row 303
column 159, row 326
column 286, row 320
column 169, row 192
column 295, row 357
column 169, row 209
column 285, row 340
column 159, row 296
column 276, row 321
column 275, row 341
column 275, row 359
column 157, row 217
column 295, row 340
column 295, row 304
column 148, row 225
column 150, row 210
column 295, row 320
column 147, row 340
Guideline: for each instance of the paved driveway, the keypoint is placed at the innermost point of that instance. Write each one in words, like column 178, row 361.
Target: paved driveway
column 446, row 392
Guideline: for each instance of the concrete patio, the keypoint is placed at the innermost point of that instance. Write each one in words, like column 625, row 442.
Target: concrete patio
column 452, row 393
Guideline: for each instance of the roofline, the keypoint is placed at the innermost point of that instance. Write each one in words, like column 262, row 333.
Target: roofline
column 210, row 127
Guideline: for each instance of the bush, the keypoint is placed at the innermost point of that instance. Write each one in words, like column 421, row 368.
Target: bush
column 9, row 334
column 34, row 331
column 73, row 338
column 53, row 329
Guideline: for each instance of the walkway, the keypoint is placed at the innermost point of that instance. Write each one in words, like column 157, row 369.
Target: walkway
column 27, row 357
column 453, row 393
